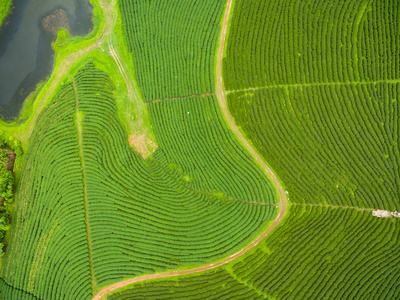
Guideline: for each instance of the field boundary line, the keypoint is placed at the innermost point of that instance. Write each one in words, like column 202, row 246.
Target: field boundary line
column 314, row 84
column 85, row 198
column 182, row 97
column 334, row 206
column 282, row 204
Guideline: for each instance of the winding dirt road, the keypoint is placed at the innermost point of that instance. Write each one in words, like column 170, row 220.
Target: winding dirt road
column 283, row 200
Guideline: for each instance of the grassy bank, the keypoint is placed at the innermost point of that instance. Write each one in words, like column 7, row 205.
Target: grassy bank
column 5, row 6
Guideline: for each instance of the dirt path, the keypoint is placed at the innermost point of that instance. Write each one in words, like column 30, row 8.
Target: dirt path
column 282, row 204
column 63, row 69
column 334, row 206
column 301, row 85
column 78, row 121
column 182, row 97
column 132, row 95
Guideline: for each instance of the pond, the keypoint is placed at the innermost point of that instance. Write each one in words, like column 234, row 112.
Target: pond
column 26, row 55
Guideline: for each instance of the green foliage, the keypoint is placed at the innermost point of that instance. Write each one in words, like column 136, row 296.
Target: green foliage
column 48, row 241
column 317, row 253
column 3, row 156
column 144, row 216
column 5, row 6
column 173, row 45
column 8, row 291
column 213, row 285
column 62, row 41
column 324, row 114
column 10, row 142
column 6, row 192
column 337, row 253
column 200, row 143
column 323, row 124
column 340, row 141
column 320, row 41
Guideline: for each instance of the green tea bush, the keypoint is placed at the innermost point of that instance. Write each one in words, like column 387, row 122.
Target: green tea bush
column 144, row 216
column 213, row 285
column 321, row 41
column 314, row 85
column 317, row 253
column 173, row 45
column 330, row 144
column 47, row 255
column 324, row 111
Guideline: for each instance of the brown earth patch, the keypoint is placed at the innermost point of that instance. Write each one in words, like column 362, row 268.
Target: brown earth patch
column 10, row 161
column 142, row 145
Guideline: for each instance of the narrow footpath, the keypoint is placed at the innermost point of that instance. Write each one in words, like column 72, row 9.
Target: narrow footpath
column 85, row 198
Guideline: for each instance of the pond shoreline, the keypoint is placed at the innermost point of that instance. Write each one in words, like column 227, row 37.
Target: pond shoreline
column 26, row 54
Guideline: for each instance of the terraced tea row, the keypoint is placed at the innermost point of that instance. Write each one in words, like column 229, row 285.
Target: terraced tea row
column 341, row 141
column 144, row 216
column 49, row 221
column 326, row 119
column 292, row 42
column 340, row 138
column 9, row 292
column 213, row 285
column 173, row 45
column 194, row 137
column 357, row 257
column 132, row 201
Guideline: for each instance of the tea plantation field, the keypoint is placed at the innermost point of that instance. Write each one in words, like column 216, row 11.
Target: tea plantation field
column 328, row 100
column 96, row 212
column 317, row 253
column 173, row 56
column 314, row 85
column 314, row 91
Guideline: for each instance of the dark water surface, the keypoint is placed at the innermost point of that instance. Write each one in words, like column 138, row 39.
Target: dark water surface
column 26, row 56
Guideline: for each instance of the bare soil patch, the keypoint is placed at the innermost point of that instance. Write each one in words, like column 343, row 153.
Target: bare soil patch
column 10, row 160
column 142, row 145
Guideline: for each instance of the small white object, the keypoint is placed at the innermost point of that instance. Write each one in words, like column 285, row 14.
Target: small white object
column 188, row 112
column 381, row 213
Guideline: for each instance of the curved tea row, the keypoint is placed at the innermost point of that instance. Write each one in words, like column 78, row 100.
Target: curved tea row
column 48, row 254
column 173, row 45
column 275, row 42
column 314, row 85
column 144, row 216
column 318, row 252
column 339, row 140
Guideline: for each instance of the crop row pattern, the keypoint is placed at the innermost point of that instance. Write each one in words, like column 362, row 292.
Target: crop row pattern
column 339, row 142
column 296, row 41
column 156, row 214
column 48, row 253
column 173, row 45
column 357, row 258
